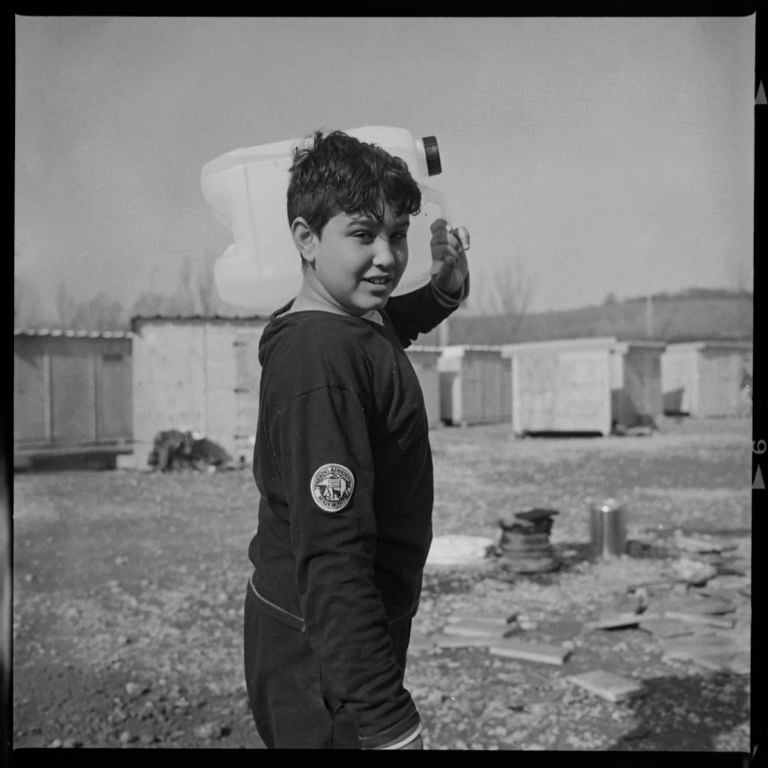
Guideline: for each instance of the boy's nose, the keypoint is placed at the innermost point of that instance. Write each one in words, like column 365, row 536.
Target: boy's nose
column 383, row 255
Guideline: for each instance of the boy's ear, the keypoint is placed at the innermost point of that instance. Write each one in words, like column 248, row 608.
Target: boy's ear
column 304, row 238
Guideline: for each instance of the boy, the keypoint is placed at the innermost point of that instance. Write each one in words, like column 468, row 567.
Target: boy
column 342, row 459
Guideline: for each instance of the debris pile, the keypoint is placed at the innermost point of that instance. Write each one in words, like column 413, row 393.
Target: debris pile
column 524, row 545
column 174, row 449
column 695, row 612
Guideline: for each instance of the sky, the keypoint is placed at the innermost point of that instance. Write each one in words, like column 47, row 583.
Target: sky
column 586, row 156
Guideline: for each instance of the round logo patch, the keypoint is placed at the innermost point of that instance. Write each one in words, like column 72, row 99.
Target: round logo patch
column 332, row 486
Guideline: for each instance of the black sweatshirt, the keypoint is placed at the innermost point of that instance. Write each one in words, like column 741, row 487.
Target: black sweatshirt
column 344, row 467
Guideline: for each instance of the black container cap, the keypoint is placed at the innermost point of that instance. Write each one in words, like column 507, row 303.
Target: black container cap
column 432, row 153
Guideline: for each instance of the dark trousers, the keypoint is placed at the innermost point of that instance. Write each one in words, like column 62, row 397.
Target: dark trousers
column 291, row 705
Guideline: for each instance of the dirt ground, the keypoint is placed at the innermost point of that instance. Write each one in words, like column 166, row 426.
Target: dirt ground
column 128, row 590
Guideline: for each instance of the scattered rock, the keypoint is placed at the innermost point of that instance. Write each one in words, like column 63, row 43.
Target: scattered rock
column 694, row 571
column 135, row 689
column 700, row 545
column 212, row 730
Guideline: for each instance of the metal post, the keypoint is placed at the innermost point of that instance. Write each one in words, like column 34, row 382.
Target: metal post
column 649, row 316
column 443, row 332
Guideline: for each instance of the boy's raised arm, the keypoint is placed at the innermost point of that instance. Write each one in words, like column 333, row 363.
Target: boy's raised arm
column 421, row 310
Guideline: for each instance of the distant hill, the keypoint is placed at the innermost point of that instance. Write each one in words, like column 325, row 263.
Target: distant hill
column 694, row 315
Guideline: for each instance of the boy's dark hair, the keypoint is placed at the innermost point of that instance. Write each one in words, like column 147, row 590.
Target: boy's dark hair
column 338, row 173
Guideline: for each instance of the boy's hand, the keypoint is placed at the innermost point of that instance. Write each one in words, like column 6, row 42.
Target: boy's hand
column 449, row 260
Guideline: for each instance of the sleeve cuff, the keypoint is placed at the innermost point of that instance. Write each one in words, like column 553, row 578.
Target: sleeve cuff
column 403, row 740
column 448, row 299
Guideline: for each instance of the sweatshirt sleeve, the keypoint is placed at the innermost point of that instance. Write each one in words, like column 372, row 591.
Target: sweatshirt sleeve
column 321, row 438
column 422, row 310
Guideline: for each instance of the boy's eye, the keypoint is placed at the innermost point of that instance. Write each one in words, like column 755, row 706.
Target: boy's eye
column 399, row 236
column 363, row 235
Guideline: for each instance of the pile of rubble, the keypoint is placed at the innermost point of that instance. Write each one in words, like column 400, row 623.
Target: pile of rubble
column 175, row 449
column 698, row 611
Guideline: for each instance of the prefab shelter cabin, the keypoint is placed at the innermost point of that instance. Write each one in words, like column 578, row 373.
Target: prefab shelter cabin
column 586, row 385
column 72, row 393
column 197, row 374
column 706, row 378
column 424, row 360
column 474, row 385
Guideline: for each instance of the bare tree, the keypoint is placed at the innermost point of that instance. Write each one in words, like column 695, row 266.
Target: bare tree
column 514, row 288
column 26, row 302
column 153, row 304
column 66, row 307
column 741, row 276
column 197, row 293
column 206, row 296
column 101, row 313
column 508, row 292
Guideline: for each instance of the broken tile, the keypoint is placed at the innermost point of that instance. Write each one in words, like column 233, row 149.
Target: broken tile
column 459, row 641
column 645, row 585
column 698, row 647
column 620, row 620
column 715, row 662
column 730, row 583
column 419, row 643
column 564, row 629
column 696, row 618
column 607, row 685
column 697, row 544
column 625, row 604
column 540, row 652
column 483, row 618
column 663, row 627
column 694, row 571
column 474, row 628
column 692, row 604
column 536, row 514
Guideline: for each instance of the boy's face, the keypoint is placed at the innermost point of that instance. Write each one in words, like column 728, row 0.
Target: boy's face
column 357, row 261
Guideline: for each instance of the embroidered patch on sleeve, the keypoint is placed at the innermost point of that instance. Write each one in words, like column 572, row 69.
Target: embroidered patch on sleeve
column 332, row 486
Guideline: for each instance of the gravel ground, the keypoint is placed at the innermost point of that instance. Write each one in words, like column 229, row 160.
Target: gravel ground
column 128, row 590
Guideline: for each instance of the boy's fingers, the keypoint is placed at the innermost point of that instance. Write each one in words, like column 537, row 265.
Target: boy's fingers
column 438, row 224
column 442, row 232
column 449, row 259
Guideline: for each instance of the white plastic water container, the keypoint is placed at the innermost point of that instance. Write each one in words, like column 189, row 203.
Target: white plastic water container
column 261, row 270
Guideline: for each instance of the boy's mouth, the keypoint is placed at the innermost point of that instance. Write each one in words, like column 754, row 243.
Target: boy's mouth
column 379, row 280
